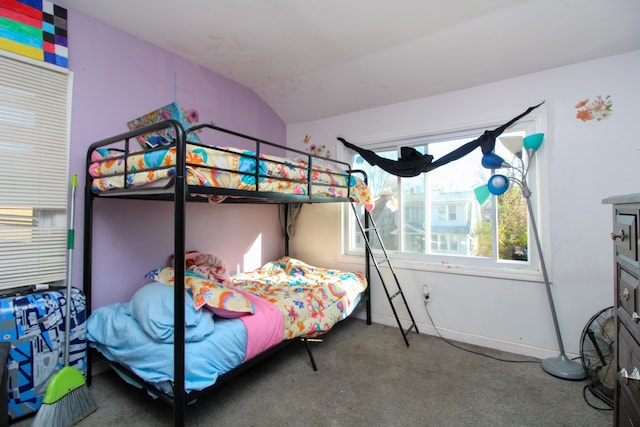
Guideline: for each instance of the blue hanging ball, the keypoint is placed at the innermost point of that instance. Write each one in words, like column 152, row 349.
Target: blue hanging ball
column 498, row 184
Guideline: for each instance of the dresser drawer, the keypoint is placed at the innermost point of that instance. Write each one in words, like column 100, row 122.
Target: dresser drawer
column 626, row 414
column 628, row 298
column 625, row 230
column 628, row 388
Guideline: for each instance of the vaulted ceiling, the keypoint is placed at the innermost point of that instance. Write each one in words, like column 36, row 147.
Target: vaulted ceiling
column 309, row 59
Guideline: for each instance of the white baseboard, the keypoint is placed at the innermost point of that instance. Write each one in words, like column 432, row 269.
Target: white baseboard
column 473, row 339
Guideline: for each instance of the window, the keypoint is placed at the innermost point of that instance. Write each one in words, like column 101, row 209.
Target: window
column 33, row 172
column 435, row 217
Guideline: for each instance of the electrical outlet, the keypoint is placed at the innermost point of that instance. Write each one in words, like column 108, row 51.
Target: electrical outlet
column 426, row 293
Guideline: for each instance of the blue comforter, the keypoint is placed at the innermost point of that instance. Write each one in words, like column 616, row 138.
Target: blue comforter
column 216, row 353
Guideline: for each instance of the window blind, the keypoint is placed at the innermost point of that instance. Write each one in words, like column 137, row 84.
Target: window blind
column 34, row 127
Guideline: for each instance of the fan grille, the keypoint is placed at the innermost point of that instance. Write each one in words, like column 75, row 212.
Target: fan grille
column 597, row 353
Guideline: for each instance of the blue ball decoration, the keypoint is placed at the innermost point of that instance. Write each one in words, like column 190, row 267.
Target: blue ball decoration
column 498, row 184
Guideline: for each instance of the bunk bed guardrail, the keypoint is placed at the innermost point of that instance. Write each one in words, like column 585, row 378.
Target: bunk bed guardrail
column 131, row 161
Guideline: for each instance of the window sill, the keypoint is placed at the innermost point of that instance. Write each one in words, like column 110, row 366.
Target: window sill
column 452, row 268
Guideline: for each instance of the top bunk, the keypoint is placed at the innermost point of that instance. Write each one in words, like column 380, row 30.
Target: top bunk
column 216, row 165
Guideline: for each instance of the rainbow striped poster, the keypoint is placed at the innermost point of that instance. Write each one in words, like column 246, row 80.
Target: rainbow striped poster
column 36, row 29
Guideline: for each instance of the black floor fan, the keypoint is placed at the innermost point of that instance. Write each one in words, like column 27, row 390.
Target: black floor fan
column 596, row 350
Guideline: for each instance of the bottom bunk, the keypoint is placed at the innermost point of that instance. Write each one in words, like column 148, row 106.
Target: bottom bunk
column 230, row 322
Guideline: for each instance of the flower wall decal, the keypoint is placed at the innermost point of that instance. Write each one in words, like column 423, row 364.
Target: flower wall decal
column 597, row 109
column 318, row 150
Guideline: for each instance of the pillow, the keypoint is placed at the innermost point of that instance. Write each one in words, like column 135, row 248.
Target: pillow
column 152, row 307
column 223, row 300
column 166, row 275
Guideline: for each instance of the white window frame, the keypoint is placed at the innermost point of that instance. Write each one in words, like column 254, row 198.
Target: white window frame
column 530, row 271
column 35, row 117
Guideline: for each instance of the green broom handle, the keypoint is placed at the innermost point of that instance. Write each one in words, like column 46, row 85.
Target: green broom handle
column 70, row 235
column 70, row 239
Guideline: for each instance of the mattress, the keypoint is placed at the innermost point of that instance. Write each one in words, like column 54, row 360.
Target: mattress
column 225, row 167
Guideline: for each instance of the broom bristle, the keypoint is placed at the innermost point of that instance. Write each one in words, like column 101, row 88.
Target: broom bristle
column 67, row 411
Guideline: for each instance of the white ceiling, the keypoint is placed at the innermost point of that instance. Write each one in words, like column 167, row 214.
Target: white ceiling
column 309, row 59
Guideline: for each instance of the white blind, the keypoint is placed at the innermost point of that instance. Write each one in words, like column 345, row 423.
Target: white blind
column 33, row 173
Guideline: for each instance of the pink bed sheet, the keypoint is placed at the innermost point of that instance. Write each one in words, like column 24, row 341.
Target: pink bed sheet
column 264, row 327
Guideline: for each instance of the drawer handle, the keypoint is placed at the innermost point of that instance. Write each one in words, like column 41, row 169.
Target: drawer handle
column 618, row 236
column 624, row 375
column 636, row 317
column 625, row 294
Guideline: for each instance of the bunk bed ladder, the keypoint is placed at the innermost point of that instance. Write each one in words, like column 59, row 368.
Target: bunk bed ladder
column 368, row 230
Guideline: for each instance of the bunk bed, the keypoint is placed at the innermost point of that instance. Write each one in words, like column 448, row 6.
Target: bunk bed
column 178, row 167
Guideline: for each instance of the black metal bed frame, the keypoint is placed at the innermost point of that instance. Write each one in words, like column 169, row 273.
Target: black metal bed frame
column 179, row 192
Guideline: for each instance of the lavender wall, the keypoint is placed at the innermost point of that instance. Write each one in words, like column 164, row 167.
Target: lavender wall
column 116, row 78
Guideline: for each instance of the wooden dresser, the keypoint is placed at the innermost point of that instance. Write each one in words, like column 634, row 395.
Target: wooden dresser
column 626, row 223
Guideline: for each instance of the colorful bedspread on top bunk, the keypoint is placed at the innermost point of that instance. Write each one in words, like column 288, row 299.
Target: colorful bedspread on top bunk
column 225, row 323
column 225, row 167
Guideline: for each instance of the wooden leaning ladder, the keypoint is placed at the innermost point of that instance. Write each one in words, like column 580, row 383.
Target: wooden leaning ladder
column 367, row 228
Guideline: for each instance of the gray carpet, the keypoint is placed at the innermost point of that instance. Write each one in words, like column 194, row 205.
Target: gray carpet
column 367, row 377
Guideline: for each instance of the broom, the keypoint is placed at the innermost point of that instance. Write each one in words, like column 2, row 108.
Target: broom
column 67, row 399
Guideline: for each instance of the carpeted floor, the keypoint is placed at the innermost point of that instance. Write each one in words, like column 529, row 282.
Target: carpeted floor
column 367, row 377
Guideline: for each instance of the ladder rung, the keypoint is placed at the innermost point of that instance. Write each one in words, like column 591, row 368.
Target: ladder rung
column 395, row 295
column 369, row 229
column 380, row 262
column 406, row 332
